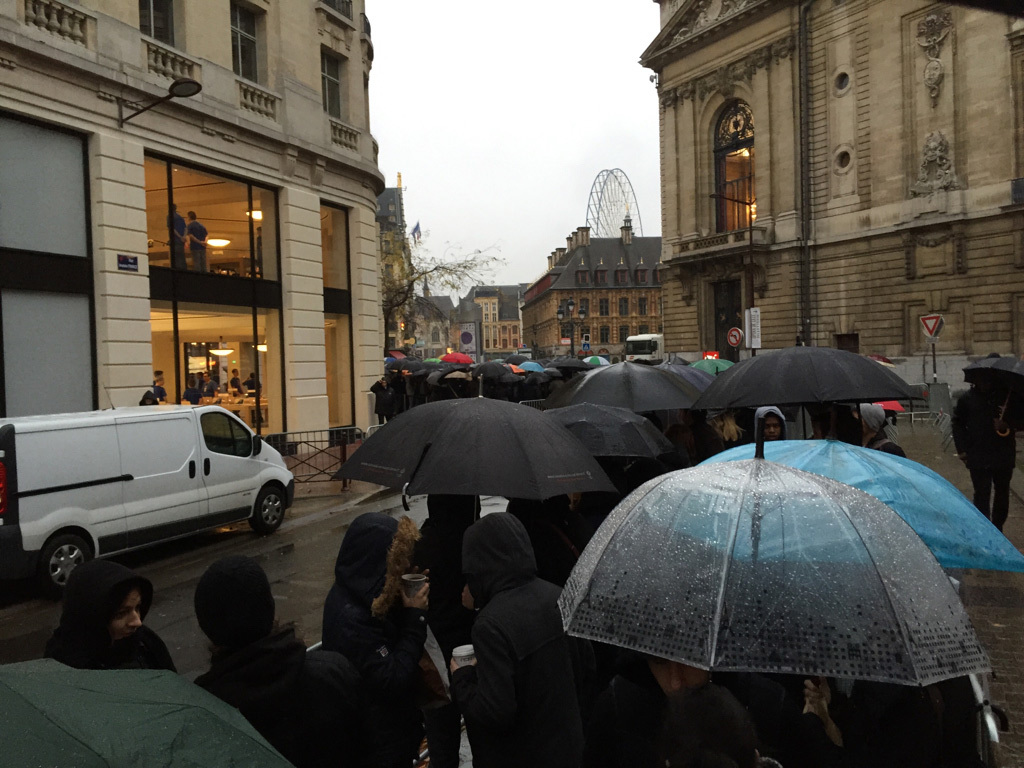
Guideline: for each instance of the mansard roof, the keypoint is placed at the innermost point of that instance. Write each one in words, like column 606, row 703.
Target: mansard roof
column 609, row 253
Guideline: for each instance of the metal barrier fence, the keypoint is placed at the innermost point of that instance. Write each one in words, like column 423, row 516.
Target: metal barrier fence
column 316, row 456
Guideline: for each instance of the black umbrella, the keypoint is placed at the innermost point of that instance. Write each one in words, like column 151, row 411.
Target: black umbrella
column 516, row 359
column 490, row 370
column 405, row 364
column 476, row 447
column 700, row 379
column 611, row 431
column 627, row 385
column 800, row 375
column 569, row 364
column 1006, row 370
column 554, row 373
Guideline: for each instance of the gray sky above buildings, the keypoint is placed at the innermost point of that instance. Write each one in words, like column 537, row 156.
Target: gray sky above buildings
column 499, row 117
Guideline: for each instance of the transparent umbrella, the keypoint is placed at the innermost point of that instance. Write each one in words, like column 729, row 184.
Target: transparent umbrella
column 755, row 566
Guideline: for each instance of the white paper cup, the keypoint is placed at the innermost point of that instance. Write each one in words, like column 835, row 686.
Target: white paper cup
column 463, row 655
column 412, row 583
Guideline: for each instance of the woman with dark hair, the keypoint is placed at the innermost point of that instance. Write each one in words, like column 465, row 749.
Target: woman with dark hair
column 101, row 623
column 191, row 394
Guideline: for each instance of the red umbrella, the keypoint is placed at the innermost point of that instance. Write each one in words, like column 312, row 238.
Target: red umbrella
column 457, row 357
column 881, row 359
column 891, row 405
column 395, row 353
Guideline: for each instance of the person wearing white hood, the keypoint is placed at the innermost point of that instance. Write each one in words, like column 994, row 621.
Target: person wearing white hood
column 774, row 423
column 872, row 419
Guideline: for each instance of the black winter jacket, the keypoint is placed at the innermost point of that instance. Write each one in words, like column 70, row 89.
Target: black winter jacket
column 975, row 435
column 519, row 700
column 305, row 704
column 440, row 550
column 386, row 651
column 94, row 593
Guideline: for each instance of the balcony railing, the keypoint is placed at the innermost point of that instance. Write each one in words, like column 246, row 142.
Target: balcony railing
column 344, row 135
column 344, row 7
column 366, row 25
column 255, row 99
column 58, row 19
column 168, row 63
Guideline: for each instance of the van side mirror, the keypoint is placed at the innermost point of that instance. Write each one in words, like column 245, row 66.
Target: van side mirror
column 257, row 444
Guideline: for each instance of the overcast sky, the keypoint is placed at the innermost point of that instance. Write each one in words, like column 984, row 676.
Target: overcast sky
column 500, row 115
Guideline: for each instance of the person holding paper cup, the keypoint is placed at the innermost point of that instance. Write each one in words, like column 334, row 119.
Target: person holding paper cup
column 378, row 621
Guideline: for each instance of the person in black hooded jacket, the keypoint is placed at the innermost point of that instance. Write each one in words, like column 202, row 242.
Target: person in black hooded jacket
column 370, row 621
column 305, row 704
column 101, row 622
column 439, row 551
column 519, row 698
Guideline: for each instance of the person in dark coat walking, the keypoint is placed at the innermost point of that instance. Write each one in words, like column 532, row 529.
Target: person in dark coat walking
column 305, row 704
column 519, row 697
column 383, row 401
column 987, row 445
column 381, row 630
column 101, row 622
column 439, row 551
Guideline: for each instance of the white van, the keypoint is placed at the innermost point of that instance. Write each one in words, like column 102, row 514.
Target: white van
column 75, row 486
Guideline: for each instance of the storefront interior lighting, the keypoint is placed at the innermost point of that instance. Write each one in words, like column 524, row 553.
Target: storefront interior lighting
column 221, row 350
column 261, row 347
column 180, row 88
column 256, row 215
column 218, row 242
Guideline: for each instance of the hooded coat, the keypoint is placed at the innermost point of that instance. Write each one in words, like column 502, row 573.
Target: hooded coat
column 382, row 638
column 520, row 699
column 305, row 704
column 761, row 413
column 93, row 595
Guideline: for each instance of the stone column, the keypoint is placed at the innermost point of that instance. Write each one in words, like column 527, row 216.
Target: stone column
column 367, row 324
column 124, row 354
column 302, row 286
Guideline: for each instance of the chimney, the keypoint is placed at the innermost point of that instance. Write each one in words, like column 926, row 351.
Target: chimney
column 584, row 235
column 570, row 241
column 560, row 257
column 627, row 230
column 551, row 260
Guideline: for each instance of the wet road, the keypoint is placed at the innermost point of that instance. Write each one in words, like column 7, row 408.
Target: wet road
column 298, row 558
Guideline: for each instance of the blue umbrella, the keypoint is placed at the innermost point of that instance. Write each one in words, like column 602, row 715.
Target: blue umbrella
column 956, row 532
column 531, row 365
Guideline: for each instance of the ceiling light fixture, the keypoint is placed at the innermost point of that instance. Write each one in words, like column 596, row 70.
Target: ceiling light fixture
column 221, row 350
column 218, row 242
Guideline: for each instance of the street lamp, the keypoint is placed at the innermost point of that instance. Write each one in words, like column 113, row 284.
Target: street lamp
column 564, row 312
column 180, row 88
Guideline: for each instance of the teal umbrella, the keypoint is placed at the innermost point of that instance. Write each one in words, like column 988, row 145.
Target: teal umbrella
column 58, row 716
column 711, row 365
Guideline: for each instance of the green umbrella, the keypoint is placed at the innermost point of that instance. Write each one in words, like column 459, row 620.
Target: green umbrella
column 59, row 716
column 432, row 360
column 712, row 365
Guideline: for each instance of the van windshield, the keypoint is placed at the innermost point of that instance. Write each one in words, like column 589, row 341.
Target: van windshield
column 643, row 347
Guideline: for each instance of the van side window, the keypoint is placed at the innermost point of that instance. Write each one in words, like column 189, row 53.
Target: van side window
column 224, row 435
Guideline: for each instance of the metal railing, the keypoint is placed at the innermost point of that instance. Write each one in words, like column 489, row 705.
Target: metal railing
column 343, row 7
column 316, row 456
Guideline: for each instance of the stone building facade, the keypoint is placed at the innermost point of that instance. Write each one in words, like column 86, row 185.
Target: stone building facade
column 274, row 156
column 495, row 310
column 616, row 281
column 847, row 167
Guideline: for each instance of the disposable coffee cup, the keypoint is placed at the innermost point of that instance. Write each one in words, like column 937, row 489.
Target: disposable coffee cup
column 412, row 583
column 463, row 655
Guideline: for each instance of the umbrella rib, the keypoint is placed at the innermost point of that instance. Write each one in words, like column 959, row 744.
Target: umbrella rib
column 722, row 585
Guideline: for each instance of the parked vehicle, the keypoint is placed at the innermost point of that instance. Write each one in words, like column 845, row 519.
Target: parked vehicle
column 645, row 346
column 75, row 486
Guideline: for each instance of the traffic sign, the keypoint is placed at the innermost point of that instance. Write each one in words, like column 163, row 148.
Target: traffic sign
column 586, row 346
column 933, row 325
column 566, row 341
column 752, row 327
column 711, row 354
column 734, row 337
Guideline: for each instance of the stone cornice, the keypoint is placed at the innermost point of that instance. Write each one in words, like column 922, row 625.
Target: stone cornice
column 697, row 20
column 724, row 79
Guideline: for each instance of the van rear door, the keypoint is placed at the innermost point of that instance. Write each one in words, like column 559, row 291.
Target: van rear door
column 167, row 497
column 230, row 472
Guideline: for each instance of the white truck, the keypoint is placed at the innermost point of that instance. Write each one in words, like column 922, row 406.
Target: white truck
column 75, row 486
column 646, row 347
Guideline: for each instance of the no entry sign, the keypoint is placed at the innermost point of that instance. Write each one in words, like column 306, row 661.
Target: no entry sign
column 734, row 337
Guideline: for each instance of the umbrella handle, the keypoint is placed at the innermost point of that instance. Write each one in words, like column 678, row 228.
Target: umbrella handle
column 405, row 499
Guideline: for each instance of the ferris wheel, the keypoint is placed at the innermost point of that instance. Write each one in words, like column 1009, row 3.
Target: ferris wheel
column 611, row 200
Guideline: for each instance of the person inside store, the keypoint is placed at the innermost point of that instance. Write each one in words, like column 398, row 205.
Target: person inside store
column 158, row 387
column 197, row 235
column 176, row 224
column 209, row 387
column 191, row 394
column 235, row 384
column 251, row 385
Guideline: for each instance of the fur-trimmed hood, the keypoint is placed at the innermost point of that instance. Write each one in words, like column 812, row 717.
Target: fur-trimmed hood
column 376, row 551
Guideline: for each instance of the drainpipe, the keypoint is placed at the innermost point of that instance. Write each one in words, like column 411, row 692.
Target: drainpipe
column 805, row 173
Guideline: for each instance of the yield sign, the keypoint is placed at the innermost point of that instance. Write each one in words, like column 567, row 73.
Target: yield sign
column 932, row 324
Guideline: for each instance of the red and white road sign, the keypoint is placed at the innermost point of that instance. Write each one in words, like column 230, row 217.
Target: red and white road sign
column 734, row 337
column 932, row 324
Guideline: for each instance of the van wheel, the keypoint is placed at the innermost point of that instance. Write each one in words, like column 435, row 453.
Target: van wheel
column 268, row 511
column 57, row 559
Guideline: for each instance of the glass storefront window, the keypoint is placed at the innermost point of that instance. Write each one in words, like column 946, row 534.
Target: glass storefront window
column 245, row 379
column 334, row 246
column 203, row 222
column 339, row 370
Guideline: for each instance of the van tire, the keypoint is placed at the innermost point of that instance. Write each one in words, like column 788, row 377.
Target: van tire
column 58, row 557
column 268, row 511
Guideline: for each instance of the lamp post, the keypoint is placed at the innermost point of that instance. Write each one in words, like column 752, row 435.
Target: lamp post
column 564, row 312
column 751, row 215
column 181, row 88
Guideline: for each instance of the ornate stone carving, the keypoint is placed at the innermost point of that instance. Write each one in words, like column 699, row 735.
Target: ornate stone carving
column 8, row 63
column 936, row 172
column 960, row 253
column 668, row 98
column 931, row 33
column 706, row 13
column 909, row 256
column 724, row 79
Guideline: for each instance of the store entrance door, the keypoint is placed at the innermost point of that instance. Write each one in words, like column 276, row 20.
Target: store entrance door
column 728, row 314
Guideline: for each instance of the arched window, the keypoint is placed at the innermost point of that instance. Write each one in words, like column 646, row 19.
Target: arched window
column 435, row 336
column 734, row 168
